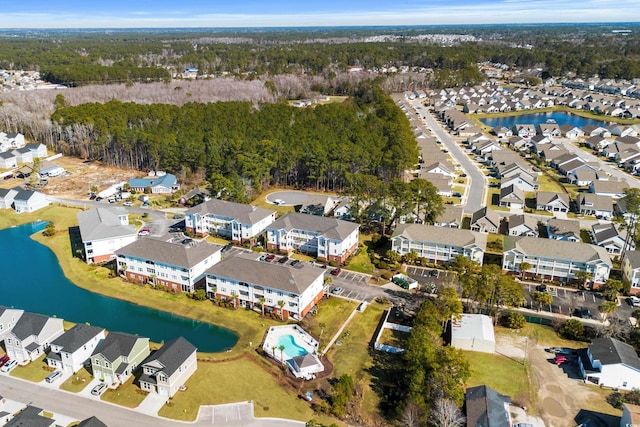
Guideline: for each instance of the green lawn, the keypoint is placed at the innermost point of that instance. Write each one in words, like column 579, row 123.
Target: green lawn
column 394, row 338
column 501, row 373
column 332, row 312
column 78, row 381
column 354, row 357
column 240, row 380
column 128, row 394
column 216, row 240
column 62, row 217
column 547, row 183
column 495, row 243
column 35, row 371
column 361, row 261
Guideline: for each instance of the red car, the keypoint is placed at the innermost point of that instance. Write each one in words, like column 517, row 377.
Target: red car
column 336, row 272
column 270, row 258
column 4, row 359
column 559, row 360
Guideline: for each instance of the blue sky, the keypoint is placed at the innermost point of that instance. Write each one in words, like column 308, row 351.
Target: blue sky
column 267, row 13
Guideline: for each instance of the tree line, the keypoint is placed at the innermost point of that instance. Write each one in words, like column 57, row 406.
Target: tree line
column 240, row 145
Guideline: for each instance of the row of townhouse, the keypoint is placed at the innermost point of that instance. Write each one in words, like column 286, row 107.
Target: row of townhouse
column 10, row 158
column 113, row 356
column 22, row 201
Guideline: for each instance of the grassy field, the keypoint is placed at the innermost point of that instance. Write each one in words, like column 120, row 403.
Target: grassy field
column 501, row 373
column 354, row 357
column 78, row 381
column 394, row 338
column 35, row 371
column 128, row 394
column 332, row 312
column 495, row 243
column 361, row 261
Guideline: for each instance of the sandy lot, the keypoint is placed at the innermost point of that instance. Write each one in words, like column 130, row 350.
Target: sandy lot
column 562, row 399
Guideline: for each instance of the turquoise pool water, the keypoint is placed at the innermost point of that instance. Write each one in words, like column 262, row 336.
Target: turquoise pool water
column 291, row 348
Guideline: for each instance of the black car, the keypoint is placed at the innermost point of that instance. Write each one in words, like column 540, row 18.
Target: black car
column 227, row 247
column 283, row 260
column 583, row 313
column 541, row 288
column 295, row 262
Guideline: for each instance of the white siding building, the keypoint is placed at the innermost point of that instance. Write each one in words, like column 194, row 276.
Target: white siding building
column 72, row 349
column 31, row 336
column 168, row 368
column 611, row 363
column 104, row 231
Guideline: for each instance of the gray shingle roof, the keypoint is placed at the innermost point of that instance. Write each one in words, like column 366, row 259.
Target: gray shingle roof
column 486, row 407
column 433, row 234
column 634, row 258
column 489, row 215
column 609, row 186
column 451, row 214
column 91, row 422
column 546, row 197
column 29, row 324
column 174, row 254
column 244, row 214
column 247, row 269
column 117, row 344
column 564, row 227
column 103, row 223
column 520, row 219
column 172, row 355
column 612, row 351
column 603, row 232
column 30, row 417
column 76, row 337
column 597, row 201
column 329, row 227
column 556, row 249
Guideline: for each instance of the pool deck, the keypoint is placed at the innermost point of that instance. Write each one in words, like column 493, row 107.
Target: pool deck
column 300, row 336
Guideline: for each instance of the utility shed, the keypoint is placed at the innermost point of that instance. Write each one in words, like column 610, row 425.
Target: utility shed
column 473, row 332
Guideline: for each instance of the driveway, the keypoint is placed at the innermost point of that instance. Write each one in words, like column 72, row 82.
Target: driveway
column 291, row 197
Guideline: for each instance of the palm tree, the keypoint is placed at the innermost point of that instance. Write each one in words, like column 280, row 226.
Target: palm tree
column 261, row 301
column 281, row 305
column 281, row 348
column 524, row 267
column 273, row 351
column 607, row 308
column 234, row 297
column 322, row 326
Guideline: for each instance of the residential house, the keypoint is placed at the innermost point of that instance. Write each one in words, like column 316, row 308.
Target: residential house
column 611, row 363
column 571, row 132
column 8, row 319
column 235, row 221
column 622, row 130
column 524, row 130
column 160, row 183
column 343, row 209
column 563, row 229
column 583, row 176
column 552, row 202
column 451, row 217
column 540, row 139
column 485, row 220
column 442, row 183
column 512, row 197
column 103, row 231
column 597, row 142
column 524, row 180
column 118, row 356
column 502, row 132
column 608, row 237
column 485, row 407
column 631, row 270
column 316, row 204
column 169, row 368
column 29, row 201
column 91, row 422
column 23, row 155
column 11, row 140
column 179, row 267
column 592, row 130
column 6, row 197
column 438, row 245
column 31, row 416
column 8, row 160
column 520, row 144
column 328, row 239
column 440, row 168
column 31, row 336
column 267, row 285
column 523, row 225
column 38, row 150
column 595, row 205
column 482, row 148
column 556, row 259
column 71, row 350
column 614, row 189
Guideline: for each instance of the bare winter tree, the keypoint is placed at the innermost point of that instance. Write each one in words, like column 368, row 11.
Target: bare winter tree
column 411, row 415
column 446, row 414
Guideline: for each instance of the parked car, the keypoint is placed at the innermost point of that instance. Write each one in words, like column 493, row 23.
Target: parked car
column 99, row 389
column 457, row 194
column 263, row 257
column 270, row 257
column 336, row 272
column 559, row 360
column 336, row 290
column 559, row 351
column 9, row 366
column 4, row 359
column 295, row 262
column 227, row 247
column 541, row 288
column 463, row 175
column 53, row 376
column 127, row 204
column 178, row 216
column 6, row 177
column 283, row 260
column 634, row 301
column 278, row 202
column 144, row 232
column 583, row 313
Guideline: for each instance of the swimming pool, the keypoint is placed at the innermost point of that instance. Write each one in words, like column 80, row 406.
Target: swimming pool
column 291, row 348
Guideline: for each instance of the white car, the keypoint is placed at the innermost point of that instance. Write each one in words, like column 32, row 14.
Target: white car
column 9, row 365
column 634, row 301
column 278, row 202
column 127, row 204
column 99, row 389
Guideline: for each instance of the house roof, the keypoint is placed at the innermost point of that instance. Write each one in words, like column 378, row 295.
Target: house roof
column 511, row 193
column 330, row 228
column 472, row 326
column 564, row 227
column 244, row 214
column 117, row 344
column 610, row 351
column 25, row 195
column 29, row 324
column 76, row 337
column 556, row 249
column 91, row 422
column 167, row 180
column 246, row 268
column 451, row 214
column 597, row 201
column 603, row 232
column 485, row 407
column 7, row 193
column 634, row 258
column 176, row 254
column 433, row 234
column 522, row 219
column 30, row 417
column 172, row 355
column 546, row 197
column 103, row 223
column 488, row 214
column 609, row 186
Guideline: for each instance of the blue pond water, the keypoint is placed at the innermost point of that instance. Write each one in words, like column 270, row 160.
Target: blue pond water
column 33, row 281
column 291, row 348
column 559, row 116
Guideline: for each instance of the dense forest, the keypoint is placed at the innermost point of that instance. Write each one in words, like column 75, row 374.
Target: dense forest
column 243, row 144
column 79, row 58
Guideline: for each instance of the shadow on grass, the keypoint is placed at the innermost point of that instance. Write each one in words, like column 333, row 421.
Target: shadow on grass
column 386, row 381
